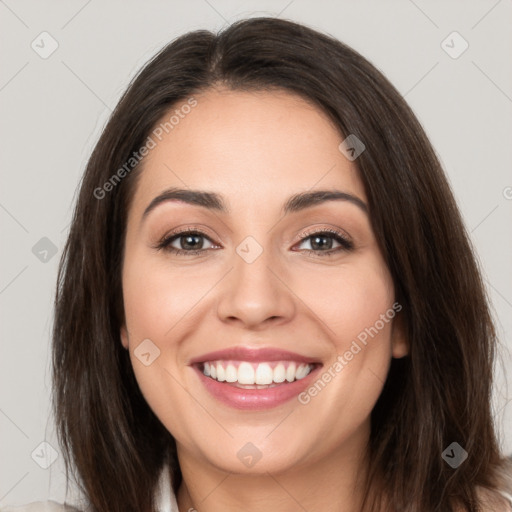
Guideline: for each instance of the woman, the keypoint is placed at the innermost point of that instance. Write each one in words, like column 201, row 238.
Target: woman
column 268, row 299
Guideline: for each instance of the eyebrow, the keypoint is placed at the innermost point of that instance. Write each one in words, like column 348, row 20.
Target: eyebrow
column 215, row 202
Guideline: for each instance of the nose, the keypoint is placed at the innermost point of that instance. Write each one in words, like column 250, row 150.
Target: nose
column 255, row 295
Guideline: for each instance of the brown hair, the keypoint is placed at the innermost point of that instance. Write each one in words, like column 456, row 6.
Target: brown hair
column 440, row 393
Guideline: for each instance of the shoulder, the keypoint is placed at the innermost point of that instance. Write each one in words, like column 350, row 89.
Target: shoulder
column 493, row 501
column 40, row 506
column 499, row 499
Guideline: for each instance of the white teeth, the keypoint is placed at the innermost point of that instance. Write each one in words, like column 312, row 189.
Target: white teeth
column 245, row 373
column 221, row 373
column 302, row 371
column 231, row 373
column 259, row 374
column 279, row 373
column 264, row 374
column 290, row 372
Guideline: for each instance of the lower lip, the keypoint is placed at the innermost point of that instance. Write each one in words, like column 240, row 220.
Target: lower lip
column 254, row 399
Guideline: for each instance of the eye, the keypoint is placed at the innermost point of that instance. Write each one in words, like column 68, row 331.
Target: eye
column 194, row 242
column 325, row 243
column 186, row 242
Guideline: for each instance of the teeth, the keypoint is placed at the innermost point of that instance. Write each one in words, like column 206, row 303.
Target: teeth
column 221, row 373
column 279, row 373
column 260, row 374
column 264, row 374
column 231, row 373
column 245, row 374
column 290, row 372
column 302, row 371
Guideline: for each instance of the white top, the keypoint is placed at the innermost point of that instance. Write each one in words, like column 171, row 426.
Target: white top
column 165, row 499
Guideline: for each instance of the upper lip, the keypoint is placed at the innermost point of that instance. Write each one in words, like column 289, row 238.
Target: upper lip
column 241, row 353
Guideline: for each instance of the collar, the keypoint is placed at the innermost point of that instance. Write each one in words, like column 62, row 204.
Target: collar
column 164, row 496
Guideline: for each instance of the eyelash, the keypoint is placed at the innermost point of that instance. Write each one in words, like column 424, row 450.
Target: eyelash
column 345, row 243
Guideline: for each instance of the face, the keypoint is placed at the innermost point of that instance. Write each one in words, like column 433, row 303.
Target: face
column 260, row 317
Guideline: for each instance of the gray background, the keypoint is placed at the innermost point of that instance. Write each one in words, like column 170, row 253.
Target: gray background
column 53, row 110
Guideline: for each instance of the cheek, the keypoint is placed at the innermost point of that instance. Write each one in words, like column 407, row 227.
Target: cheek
column 349, row 299
column 355, row 306
column 164, row 304
column 157, row 297
column 159, row 302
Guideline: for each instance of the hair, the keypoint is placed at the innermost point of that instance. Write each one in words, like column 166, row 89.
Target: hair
column 440, row 393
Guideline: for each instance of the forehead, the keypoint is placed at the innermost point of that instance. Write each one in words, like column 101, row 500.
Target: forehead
column 254, row 147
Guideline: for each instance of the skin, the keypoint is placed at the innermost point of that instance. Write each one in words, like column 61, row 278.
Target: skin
column 257, row 149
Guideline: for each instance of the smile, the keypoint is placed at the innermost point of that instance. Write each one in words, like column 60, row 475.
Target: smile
column 261, row 374
column 255, row 379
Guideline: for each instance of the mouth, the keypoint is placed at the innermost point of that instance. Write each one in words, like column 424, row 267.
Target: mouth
column 255, row 378
column 248, row 375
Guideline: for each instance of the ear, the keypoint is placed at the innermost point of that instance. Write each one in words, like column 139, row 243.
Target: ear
column 124, row 336
column 400, row 344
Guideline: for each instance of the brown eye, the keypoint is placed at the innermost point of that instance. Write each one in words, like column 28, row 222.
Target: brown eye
column 186, row 242
column 326, row 242
column 189, row 242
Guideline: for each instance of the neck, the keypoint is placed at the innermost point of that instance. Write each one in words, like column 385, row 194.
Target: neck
column 333, row 483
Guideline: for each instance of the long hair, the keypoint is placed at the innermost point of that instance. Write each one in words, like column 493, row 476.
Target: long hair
column 439, row 394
